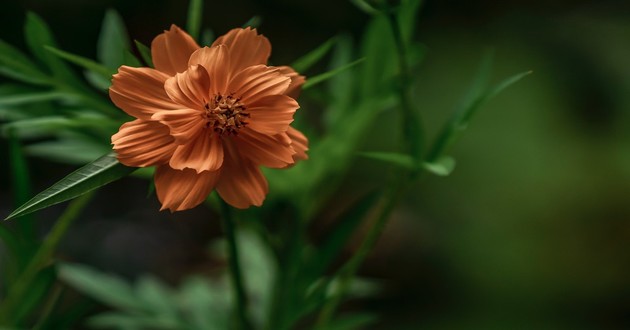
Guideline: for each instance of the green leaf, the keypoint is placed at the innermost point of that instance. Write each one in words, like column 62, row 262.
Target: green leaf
column 394, row 158
column 354, row 321
column 37, row 290
column 106, row 288
column 83, row 62
column 442, row 166
column 207, row 37
column 38, row 37
column 14, row 64
column 21, row 184
column 145, row 53
column 67, row 150
column 89, row 177
column 117, row 320
column 365, row 7
column 327, row 75
column 19, row 99
column 195, row 13
column 113, row 41
column 307, row 61
column 253, row 22
column 156, row 296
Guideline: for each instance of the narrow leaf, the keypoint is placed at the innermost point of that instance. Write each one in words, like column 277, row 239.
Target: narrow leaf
column 113, row 41
column 253, row 22
column 106, row 288
column 307, row 61
column 38, row 37
column 83, row 62
column 327, row 75
column 442, row 167
column 19, row 99
column 89, row 177
column 14, row 64
column 145, row 53
column 352, row 322
column 195, row 13
column 398, row 159
column 365, row 7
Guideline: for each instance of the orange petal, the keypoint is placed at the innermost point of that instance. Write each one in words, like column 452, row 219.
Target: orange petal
column 297, row 81
column 246, row 47
column 184, row 124
column 189, row 88
column 258, row 81
column 271, row 114
column 170, row 50
column 270, row 151
column 216, row 61
column 241, row 184
column 299, row 142
column 180, row 190
column 140, row 91
column 141, row 143
column 202, row 153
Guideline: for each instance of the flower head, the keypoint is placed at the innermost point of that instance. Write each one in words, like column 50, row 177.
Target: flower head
column 208, row 118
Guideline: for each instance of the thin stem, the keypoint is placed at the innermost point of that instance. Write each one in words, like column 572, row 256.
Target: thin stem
column 412, row 142
column 48, row 308
column 42, row 257
column 235, row 268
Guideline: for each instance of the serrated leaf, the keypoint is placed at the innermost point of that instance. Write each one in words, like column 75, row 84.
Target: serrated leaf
column 442, row 167
column 311, row 58
column 145, row 53
column 38, row 37
column 195, row 14
column 105, row 288
column 83, row 62
column 327, row 75
column 113, row 41
column 394, row 158
column 89, row 177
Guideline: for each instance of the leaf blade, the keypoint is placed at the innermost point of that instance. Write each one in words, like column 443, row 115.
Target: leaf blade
column 87, row 178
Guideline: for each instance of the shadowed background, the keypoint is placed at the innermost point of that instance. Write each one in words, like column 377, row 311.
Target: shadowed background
column 531, row 230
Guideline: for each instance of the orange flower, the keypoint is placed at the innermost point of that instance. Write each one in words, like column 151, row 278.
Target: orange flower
column 208, row 117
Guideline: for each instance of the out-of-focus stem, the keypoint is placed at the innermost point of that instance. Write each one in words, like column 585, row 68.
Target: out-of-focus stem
column 235, row 268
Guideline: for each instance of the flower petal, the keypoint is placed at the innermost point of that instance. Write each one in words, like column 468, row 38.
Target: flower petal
column 184, row 124
column 216, row 61
column 180, row 190
column 202, row 153
column 170, row 50
column 241, row 184
column 140, row 91
column 262, row 149
column 246, row 47
column 141, row 143
column 189, row 88
column 299, row 142
column 258, row 81
column 297, row 80
column 271, row 114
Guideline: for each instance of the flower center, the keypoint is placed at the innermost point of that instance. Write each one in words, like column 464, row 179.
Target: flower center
column 225, row 114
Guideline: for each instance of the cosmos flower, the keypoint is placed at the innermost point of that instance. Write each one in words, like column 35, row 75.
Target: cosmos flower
column 208, row 118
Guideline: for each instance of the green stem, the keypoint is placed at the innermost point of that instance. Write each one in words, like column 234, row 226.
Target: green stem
column 235, row 268
column 48, row 308
column 42, row 257
column 413, row 144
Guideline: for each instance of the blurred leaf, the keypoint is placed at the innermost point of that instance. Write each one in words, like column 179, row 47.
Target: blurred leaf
column 19, row 99
column 156, row 296
column 107, row 288
column 365, row 7
column 207, row 37
column 68, row 150
column 37, row 290
column 443, row 166
column 199, row 302
column 335, row 241
column 130, row 59
column 145, row 53
column 21, row 185
column 311, row 58
column 195, row 14
column 354, row 321
column 89, row 177
column 97, row 80
column 341, row 86
column 408, row 17
column 119, row 320
column 14, row 64
column 56, row 125
column 83, row 62
column 327, row 75
column 380, row 65
column 113, row 41
column 398, row 159
column 38, row 37
column 253, row 22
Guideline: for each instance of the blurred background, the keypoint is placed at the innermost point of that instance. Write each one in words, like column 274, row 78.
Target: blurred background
column 530, row 231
